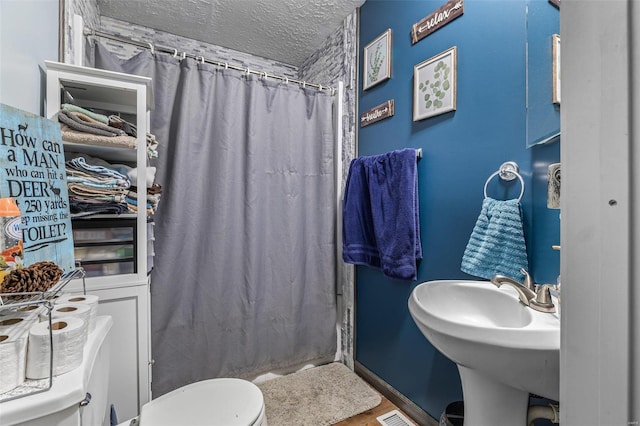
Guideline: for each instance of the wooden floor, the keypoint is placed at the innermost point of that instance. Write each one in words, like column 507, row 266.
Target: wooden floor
column 368, row 418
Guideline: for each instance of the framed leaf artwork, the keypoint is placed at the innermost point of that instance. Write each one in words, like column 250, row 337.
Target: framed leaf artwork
column 377, row 60
column 434, row 85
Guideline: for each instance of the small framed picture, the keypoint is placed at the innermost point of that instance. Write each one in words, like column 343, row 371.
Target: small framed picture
column 434, row 85
column 377, row 60
column 555, row 48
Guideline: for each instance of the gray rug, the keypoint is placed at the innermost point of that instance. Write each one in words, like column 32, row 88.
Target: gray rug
column 318, row 396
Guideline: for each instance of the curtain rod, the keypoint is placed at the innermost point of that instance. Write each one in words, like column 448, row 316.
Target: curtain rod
column 183, row 55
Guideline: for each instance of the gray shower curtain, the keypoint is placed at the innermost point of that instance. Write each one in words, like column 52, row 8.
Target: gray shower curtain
column 244, row 276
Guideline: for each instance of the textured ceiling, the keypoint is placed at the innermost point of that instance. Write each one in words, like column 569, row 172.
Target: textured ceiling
column 284, row 30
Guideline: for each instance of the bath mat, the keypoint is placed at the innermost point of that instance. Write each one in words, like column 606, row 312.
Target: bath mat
column 318, row 396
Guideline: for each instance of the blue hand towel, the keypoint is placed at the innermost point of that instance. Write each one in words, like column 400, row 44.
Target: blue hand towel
column 381, row 225
column 497, row 243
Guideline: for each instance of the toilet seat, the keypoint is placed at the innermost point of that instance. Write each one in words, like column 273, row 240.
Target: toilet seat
column 223, row 402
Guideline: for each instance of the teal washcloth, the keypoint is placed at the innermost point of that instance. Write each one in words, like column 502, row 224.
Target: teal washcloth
column 497, row 243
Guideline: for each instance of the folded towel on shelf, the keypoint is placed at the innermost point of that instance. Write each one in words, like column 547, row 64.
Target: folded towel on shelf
column 132, row 174
column 120, row 123
column 81, row 164
column 84, row 117
column 97, row 207
column 79, row 171
column 132, row 130
column 152, row 199
column 100, row 117
column 120, row 198
column 83, row 190
column 133, row 208
column 123, row 169
column 154, row 189
column 75, row 136
column 134, row 202
column 84, row 123
column 381, row 225
column 152, row 146
column 497, row 244
column 104, row 183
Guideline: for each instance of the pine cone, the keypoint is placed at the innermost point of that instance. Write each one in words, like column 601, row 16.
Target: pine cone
column 40, row 276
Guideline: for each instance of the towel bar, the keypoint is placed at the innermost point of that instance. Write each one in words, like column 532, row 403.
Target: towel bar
column 508, row 171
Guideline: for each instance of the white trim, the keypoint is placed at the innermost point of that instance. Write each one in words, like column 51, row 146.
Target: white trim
column 77, row 30
column 338, row 111
column 596, row 385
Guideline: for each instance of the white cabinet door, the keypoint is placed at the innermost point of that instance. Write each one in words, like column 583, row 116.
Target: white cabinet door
column 129, row 378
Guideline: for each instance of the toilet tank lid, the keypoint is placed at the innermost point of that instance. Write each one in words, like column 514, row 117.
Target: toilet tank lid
column 227, row 401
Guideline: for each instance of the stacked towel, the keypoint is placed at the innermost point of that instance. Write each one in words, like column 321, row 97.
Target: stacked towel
column 98, row 117
column 96, row 185
column 125, row 126
column 131, row 130
column 496, row 245
column 153, row 198
column 381, row 225
column 76, row 136
column 83, row 123
column 80, row 125
column 95, row 188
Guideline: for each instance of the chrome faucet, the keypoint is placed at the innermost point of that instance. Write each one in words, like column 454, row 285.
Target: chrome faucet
column 535, row 297
column 524, row 294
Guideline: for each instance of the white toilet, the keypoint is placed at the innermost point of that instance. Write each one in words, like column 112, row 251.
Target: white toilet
column 215, row 402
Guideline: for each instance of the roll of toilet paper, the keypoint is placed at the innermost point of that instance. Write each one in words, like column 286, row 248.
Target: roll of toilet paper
column 30, row 310
column 65, row 310
column 90, row 299
column 13, row 352
column 17, row 323
column 69, row 336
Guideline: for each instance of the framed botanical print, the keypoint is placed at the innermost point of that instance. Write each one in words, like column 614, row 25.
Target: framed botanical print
column 377, row 60
column 434, row 85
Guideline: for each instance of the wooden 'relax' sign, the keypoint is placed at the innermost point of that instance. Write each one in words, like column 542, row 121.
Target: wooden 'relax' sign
column 436, row 20
column 377, row 113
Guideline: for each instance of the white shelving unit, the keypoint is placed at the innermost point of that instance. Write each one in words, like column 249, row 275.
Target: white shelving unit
column 125, row 296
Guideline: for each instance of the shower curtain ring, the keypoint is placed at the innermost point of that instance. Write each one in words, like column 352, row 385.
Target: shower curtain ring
column 175, row 52
column 286, row 80
column 264, row 75
column 226, row 65
column 201, row 58
column 320, row 87
column 151, row 48
column 248, row 71
column 304, row 84
column 184, row 56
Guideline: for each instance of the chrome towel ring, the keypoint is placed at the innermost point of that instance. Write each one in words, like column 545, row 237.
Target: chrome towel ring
column 508, row 171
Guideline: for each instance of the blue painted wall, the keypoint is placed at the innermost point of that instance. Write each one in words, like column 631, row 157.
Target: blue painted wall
column 460, row 150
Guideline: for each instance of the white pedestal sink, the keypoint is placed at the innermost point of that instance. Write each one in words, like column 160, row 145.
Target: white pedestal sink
column 504, row 350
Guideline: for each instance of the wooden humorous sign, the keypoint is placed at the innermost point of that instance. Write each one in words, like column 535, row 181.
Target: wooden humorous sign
column 32, row 172
column 377, row 113
column 438, row 19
